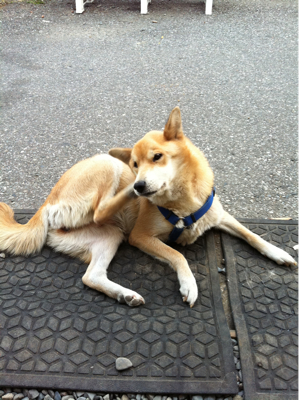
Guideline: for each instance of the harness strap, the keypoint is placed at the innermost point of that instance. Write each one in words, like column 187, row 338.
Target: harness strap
column 188, row 221
column 175, row 234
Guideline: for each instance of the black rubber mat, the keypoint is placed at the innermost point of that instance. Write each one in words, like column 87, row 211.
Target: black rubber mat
column 263, row 297
column 57, row 333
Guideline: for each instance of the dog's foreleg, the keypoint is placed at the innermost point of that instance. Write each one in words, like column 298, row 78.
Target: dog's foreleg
column 103, row 251
column 107, row 209
column 232, row 226
column 153, row 246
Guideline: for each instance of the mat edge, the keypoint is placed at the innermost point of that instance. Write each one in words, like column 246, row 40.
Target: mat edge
column 220, row 318
column 121, row 386
column 242, row 332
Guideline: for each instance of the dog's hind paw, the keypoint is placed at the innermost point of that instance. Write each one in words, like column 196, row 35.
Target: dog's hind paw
column 189, row 290
column 133, row 299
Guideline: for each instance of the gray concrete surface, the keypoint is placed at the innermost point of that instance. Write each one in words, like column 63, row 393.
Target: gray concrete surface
column 74, row 85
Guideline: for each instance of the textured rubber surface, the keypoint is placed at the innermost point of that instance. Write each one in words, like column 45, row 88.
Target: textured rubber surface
column 58, row 333
column 264, row 303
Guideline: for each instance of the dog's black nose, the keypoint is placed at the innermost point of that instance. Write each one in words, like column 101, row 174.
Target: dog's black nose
column 139, row 186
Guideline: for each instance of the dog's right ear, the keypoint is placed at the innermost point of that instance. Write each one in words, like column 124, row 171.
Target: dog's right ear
column 173, row 128
column 122, row 154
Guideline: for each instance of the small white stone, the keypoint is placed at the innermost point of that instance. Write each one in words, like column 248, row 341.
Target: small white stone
column 2, row 255
column 8, row 396
column 122, row 363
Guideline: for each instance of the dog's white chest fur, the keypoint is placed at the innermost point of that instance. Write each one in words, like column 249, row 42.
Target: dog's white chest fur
column 209, row 220
column 189, row 235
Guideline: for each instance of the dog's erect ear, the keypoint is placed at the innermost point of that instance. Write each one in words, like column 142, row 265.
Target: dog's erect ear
column 173, row 128
column 122, row 154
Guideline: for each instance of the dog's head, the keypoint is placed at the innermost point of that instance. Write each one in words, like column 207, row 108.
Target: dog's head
column 156, row 158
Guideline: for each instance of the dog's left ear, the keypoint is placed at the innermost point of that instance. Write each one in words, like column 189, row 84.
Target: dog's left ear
column 122, row 154
column 173, row 128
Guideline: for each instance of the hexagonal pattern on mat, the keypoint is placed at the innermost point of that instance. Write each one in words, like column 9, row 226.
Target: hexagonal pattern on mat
column 264, row 298
column 56, row 332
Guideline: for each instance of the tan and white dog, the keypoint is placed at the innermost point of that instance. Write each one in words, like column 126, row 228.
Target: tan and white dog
column 105, row 199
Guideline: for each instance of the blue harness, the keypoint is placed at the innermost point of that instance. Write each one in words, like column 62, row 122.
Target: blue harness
column 188, row 221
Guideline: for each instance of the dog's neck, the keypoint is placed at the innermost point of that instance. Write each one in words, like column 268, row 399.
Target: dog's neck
column 183, row 205
column 188, row 196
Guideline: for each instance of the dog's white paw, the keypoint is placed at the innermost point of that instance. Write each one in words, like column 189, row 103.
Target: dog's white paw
column 133, row 299
column 281, row 257
column 189, row 290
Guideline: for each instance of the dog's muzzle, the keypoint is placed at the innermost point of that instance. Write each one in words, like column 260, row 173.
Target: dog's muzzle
column 140, row 189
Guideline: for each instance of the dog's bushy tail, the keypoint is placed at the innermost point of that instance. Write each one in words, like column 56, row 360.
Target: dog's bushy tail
column 22, row 239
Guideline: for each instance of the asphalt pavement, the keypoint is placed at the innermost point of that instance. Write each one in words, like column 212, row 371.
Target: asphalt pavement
column 76, row 85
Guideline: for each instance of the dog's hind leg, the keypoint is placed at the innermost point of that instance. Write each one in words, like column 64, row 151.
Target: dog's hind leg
column 98, row 246
column 232, row 226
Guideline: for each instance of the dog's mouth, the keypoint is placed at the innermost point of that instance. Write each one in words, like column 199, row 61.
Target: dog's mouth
column 148, row 193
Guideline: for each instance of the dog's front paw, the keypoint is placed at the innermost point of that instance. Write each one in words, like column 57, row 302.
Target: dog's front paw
column 100, row 216
column 280, row 256
column 189, row 290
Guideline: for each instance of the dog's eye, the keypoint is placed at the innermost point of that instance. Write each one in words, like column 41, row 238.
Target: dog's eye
column 157, row 156
column 135, row 165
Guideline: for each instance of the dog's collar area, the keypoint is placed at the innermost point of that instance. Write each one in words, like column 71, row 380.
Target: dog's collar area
column 188, row 221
